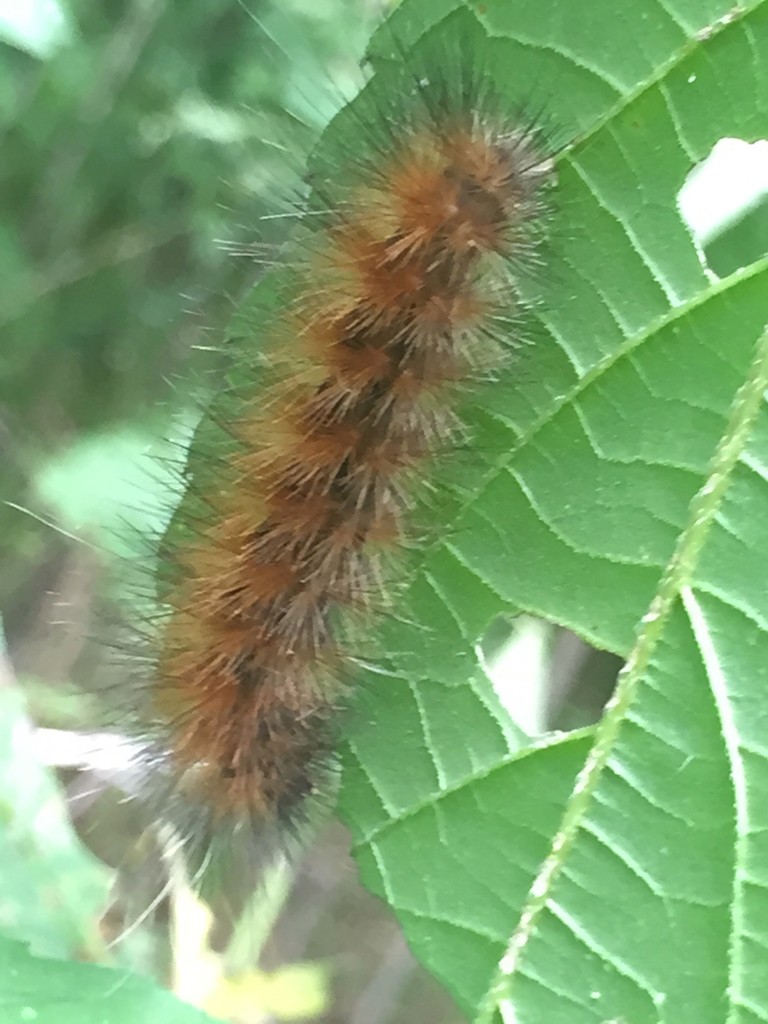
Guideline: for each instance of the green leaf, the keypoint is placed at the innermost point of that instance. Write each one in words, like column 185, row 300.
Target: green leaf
column 620, row 489
column 57, row 992
column 52, row 891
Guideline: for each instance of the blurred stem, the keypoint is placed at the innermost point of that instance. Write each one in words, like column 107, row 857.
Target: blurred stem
column 259, row 917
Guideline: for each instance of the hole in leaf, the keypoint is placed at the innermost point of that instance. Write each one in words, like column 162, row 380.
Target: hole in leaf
column 545, row 676
column 724, row 203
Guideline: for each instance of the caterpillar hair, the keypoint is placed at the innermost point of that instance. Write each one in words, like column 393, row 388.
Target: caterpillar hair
column 424, row 216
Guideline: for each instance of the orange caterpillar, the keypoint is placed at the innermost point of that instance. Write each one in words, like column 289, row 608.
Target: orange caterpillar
column 418, row 222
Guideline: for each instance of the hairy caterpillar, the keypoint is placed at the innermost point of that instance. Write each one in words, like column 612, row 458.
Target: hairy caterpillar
column 422, row 217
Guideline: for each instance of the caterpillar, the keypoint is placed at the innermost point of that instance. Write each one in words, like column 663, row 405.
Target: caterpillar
column 422, row 218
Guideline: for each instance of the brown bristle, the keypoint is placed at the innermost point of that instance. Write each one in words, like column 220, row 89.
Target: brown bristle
column 391, row 309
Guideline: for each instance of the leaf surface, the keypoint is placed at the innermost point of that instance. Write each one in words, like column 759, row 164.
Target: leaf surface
column 622, row 470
